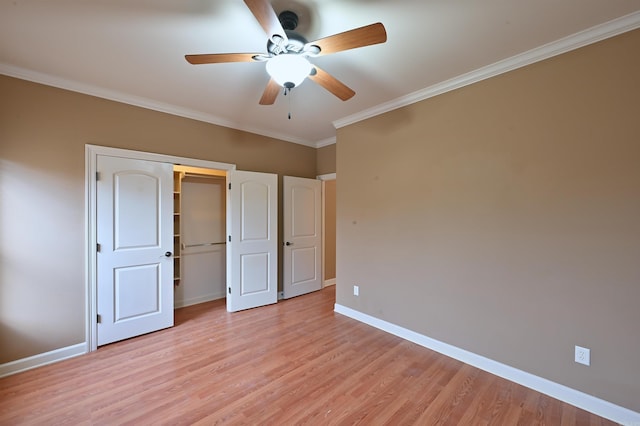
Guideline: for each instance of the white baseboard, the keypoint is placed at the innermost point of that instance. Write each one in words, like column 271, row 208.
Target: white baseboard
column 327, row 283
column 571, row 396
column 39, row 360
column 195, row 300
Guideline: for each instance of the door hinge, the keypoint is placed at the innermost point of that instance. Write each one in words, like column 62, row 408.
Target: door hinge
column 97, row 176
column 98, row 319
column 229, row 185
column 98, row 247
column 229, row 290
column 229, row 238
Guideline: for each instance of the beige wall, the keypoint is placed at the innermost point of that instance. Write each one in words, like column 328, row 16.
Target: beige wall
column 504, row 218
column 43, row 132
column 330, row 229
column 326, row 160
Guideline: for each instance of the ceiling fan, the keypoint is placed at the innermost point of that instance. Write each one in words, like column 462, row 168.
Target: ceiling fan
column 288, row 52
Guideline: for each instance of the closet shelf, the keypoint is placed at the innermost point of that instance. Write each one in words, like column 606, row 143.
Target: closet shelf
column 177, row 207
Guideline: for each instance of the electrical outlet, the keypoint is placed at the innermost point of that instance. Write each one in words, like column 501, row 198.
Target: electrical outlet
column 356, row 290
column 583, row 355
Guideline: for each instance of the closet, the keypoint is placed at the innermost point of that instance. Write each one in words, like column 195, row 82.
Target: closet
column 199, row 235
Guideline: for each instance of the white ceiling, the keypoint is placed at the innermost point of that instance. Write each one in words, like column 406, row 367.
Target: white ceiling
column 133, row 51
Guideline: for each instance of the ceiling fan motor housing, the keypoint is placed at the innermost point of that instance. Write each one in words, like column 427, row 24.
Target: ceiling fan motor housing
column 296, row 43
column 288, row 20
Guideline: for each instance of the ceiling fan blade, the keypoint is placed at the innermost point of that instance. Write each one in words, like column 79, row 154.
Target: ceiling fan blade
column 331, row 83
column 217, row 58
column 266, row 16
column 358, row 37
column 270, row 93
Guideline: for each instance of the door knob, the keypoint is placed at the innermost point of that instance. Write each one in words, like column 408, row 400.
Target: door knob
column 288, row 243
column 168, row 254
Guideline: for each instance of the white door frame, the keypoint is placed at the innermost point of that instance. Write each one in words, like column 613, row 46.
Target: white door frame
column 91, row 156
column 323, row 178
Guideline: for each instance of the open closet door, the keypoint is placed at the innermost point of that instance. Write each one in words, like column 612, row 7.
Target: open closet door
column 252, row 249
column 302, row 236
column 134, row 208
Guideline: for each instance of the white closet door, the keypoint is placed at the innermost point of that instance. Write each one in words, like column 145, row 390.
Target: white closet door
column 135, row 236
column 252, row 270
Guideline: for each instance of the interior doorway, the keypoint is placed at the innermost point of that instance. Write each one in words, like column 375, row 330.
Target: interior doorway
column 329, row 182
column 200, row 235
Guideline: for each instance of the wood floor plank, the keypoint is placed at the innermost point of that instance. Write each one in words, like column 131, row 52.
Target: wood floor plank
column 310, row 366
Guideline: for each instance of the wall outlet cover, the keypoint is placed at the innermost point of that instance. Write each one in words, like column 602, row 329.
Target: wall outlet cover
column 583, row 355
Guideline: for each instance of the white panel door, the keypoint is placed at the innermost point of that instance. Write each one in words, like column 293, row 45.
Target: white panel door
column 302, row 236
column 135, row 237
column 252, row 267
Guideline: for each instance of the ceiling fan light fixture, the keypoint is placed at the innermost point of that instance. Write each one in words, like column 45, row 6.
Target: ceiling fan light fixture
column 289, row 70
column 288, row 52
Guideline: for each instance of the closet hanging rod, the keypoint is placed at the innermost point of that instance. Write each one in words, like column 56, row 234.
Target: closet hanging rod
column 203, row 176
column 203, row 244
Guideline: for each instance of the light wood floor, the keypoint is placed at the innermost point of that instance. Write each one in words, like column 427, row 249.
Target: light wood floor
column 306, row 365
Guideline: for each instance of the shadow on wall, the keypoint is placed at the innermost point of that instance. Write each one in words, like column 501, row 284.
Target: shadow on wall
column 41, row 299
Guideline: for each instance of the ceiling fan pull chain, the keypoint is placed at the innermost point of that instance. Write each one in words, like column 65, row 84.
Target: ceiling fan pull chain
column 287, row 91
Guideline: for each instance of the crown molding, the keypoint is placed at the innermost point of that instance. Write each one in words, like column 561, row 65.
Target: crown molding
column 575, row 41
column 112, row 95
column 558, row 47
column 325, row 142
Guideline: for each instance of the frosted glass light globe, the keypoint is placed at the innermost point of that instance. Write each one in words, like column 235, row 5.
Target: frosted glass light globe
column 288, row 70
